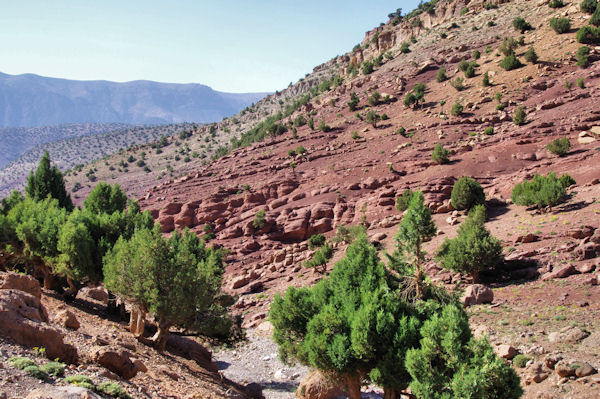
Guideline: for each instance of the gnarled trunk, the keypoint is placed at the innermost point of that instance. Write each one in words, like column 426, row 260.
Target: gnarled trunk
column 41, row 266
column 353, row 385
column 162, row 335
column 390, row 394
column 137, row 322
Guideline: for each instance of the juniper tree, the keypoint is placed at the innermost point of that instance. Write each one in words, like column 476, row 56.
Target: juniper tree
column 48, row 181
column 105, row 198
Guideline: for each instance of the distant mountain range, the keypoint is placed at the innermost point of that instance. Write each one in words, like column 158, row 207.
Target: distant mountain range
column 30, row 100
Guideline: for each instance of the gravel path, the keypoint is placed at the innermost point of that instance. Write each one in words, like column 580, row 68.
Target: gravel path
column 256, row 360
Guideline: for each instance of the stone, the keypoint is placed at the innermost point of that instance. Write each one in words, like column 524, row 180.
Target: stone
column 67, row 392
column 527, row 238
column 254, row 390
column 585, row 138
column 317, row 386
column 506, row 351
column 139, row 364
column 564, row 369
column 21, row 282
column 535, row 373
column 586, row 268
column 189, row 348
column 67, row 319
column 239, row 282
column 476, row 294
column 563, row 272
column 95, row 293
column 116, row 360
column 568, row 335
column 24, row 319
column 551, row 360
column 584, row 370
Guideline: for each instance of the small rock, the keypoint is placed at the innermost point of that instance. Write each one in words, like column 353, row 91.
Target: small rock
column 506, row 351
column 564, row 369
column 584, row 370
column 67, row 319
column 477, row 294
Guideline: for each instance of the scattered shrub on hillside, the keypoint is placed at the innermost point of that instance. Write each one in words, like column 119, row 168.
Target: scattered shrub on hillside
column 476, row 54
column 595, row 20
column 559, row 147
column 541, row 191
column 520, row 116
column 470, row 71
column 441, row 75
column 21, row 362
column 463, row 65
column 320, row 257
column 353, row 103
column 403, row 200
column 113, row 389
column 36, row 372
column 508, row 46
column 316, row 241
column 405, row 48
column 311, row 123
column 55, row 369
column 474, row 249
column 582, row 56
column 589, row 6
column 488, row 131
column 510, row 62
column 414, row 97
column 374, row 99
column 367, row 67
column 521, row 360
column 580, row 83
column 259, row 220
column 323, row 126
column 457, row 109
column 81, row 381
column 490, row 6
column 458, row 83
column 291, row 152
column 521, row 24
column 567, row 181
column 531, row 55
column 486, row 80
column 588, row 35
column 300, row 150
column 300, row 120
column 556, row 4
column 440, row 154
column 560, row 25
column 372, row 118
column 466, row 193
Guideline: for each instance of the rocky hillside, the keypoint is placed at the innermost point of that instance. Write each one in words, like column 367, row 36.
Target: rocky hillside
column 32, row 100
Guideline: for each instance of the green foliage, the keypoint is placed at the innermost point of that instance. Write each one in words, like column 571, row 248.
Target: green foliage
column 105, row 198
column 367, row 67
column 457, row 109
column 531, row 55
column 510, row 62
column 55, row 369
column 374, row 99
column 323, row 126
column 441, row 75
column 113, row 389
column 520, row 116
column 311, row 124
column 259, row 220
column 556, row 4
column 81, row 381
column 416, row 96
column 403, row 201
column 474, row 249
column 560, row 25
column 582, row 56
column 353, row 103
column 173, row 278
column 521, row 360
column 488, row 131
column 588, row 35
column 449, row 363
column 476, row 54
column 321, row 256
column 458, row 83
column 440, row 154
column 21, row 362
column 300, row 120
column 372, row 117
column 48, row 181
column 470, row 71
column 541, row 191
column 595, row 20
column 466, row 193
column 508, row 46
column 580, row 83
column 588, row 6
column 348, row 234
column 560, row 146
column 520, row 24
column 405, row 48
column 316, row 241
column 36, row 372
column 567, row 181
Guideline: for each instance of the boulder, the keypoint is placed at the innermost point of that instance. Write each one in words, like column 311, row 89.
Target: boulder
column 535, row 373
column 24, row 319
column 584, row 370
column 505, row 351
column 585, row 138
column 317, row 386
column 568, row 335
column 68, row 392
column 67, row 319
column 564, row 369
column 587, row 249
column 95, row 293
column 116, row 360
column 477, row 294
column 21, row 282
column 563, row 272
column 189, row 348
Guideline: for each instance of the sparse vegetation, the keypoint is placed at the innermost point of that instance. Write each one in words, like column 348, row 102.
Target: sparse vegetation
column 560, row 25
column 541, row 191
column 531, row 56
column 521, row 24
column 458, row 83
column 559, row 147
column 589, row 6
column 259, row 220
column 588, row 35
column 403, row 201
column 440, row 154
column 520, row 116
column 582, row 56
column 353, row 103
column 441, row 75
column 457, row 109
column 510, row 62
column 466, row 193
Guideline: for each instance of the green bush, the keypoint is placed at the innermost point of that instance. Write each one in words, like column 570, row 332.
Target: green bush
column 466, row 193
column 541, row 191
column 372, row 118
column 595, row 20
column 476, row 54
column 531, row 55
column 21, row 362
column 488, row 131
column 440, row 154
column 580, row 83
column 582, row 56
column 300, row 120
column 457, row 109
column 556, row 4
column 36, row 372
column 567, row 181
column 324, row 127
column 486, row 80
column 589, row 6
column 300, row 150
column 367, row 67
column 520, row 116
column 353, row 103
column 55, row 369
column 320, row 257
column 405, row 48
column 113, row 389
column 560, row 25
column 521, row 360
column 510, row 62
column 316, row 241
column 441, row 75
column 508, row 46
column 81, row 381
column 458, row 83
column 470, row 71
column 403, row 201
column 588, row 35
column 521, row 25
column 474, row 249
column 259, row 220
column 559, row 147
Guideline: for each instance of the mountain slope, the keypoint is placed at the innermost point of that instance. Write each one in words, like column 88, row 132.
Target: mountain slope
column 32, row 100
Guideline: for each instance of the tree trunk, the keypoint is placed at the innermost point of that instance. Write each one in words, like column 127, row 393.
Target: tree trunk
column 49, row 282
column 137, row 322
column 389, row 393
column 419, row 274
column 162, row 335
column 353, row 385
column 475, row 277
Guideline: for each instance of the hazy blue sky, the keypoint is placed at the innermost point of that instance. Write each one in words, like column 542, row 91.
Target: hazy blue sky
column 230, row 45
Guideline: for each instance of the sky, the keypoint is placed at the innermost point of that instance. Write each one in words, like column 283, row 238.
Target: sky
column 230, row 45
